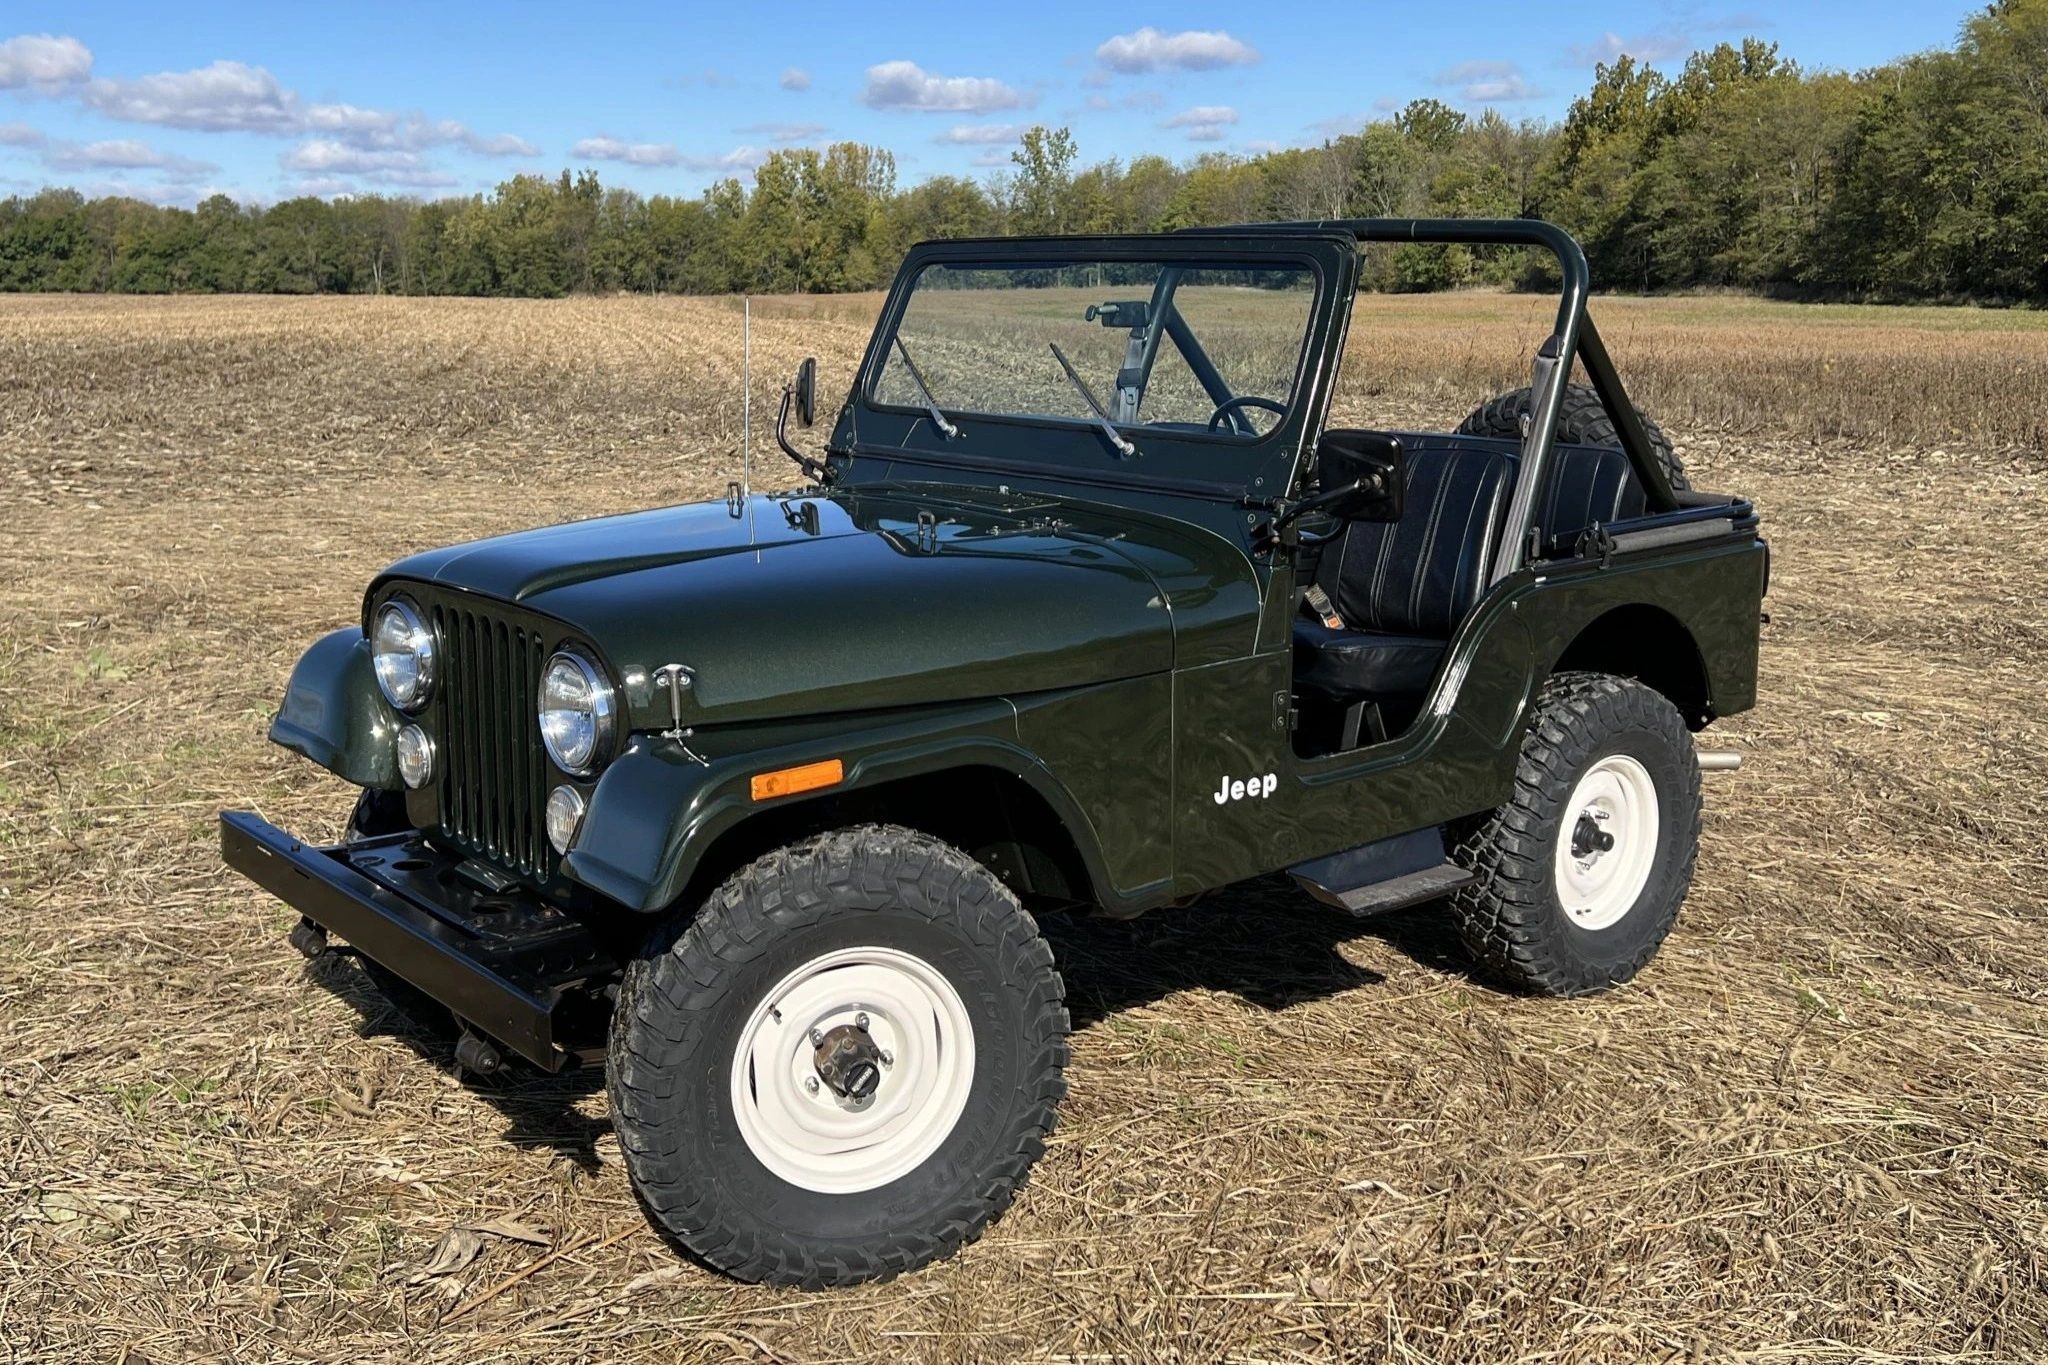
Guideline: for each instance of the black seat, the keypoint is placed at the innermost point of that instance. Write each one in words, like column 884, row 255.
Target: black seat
column 1403, row 587
column 1591, row 484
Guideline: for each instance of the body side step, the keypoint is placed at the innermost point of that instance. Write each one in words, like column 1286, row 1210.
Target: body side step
column 1384, row 875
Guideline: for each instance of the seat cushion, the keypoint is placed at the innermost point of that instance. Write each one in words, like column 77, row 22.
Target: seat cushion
column 1420, row 575
column 1348, row 663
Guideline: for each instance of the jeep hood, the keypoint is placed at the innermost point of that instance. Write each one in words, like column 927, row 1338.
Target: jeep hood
column 859, row 603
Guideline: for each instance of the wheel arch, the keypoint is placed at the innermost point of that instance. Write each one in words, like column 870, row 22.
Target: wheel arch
column 1648, row 643
column 1000, row 818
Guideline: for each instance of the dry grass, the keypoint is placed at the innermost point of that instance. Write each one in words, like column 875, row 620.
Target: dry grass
column 1817, row 1129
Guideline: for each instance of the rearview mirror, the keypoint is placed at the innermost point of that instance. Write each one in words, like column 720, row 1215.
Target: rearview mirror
column 805, row 387
column 1360, row 476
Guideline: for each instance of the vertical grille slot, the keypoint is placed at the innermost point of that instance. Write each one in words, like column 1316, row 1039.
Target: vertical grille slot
column 494, row 775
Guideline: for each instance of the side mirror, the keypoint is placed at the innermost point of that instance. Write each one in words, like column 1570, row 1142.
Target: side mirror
column 805, row 387
column 1360, row 476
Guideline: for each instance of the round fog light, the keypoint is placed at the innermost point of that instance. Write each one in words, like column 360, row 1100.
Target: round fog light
column 415, row 757
column 565, row 817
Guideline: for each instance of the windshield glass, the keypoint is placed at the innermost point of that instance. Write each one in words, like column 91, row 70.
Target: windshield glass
column 1210, row 351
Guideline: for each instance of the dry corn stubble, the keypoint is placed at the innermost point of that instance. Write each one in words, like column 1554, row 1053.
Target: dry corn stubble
column 1816, row 1129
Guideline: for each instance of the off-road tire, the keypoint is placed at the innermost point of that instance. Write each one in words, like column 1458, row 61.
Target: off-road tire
column 1511, row 918
column 378, row 813
column 1581, row 421
column 686, row 998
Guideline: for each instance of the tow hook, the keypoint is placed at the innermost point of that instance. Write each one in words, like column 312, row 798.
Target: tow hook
column 478, row 1055
column 848, row 1061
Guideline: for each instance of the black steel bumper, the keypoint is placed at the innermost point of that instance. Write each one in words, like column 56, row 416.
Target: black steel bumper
column 501, row 959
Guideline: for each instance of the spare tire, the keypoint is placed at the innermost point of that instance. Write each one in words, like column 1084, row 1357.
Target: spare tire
column 1581, row 421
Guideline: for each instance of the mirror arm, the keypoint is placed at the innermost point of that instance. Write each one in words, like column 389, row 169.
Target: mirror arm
column 822, row 473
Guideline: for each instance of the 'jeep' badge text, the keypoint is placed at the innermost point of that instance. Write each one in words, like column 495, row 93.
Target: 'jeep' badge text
column 1238, row 790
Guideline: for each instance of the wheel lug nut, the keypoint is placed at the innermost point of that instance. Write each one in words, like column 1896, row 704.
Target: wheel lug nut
column 811, row 1084
column 817, row 1038
column 888, row 1057
column 860, row 1021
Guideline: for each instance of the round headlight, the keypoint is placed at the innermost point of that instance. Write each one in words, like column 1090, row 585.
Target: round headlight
column 565, row 817
column 402, row 649
column 576, row 713
column 415, row 757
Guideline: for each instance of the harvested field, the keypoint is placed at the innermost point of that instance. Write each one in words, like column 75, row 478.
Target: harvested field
column 1816, row 1128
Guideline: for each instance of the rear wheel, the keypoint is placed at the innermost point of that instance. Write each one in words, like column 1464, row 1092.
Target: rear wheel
column 1581, row 421
column 844, row 1065
column 1581, row 873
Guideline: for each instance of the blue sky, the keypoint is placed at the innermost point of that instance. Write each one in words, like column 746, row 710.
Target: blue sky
column 173, row 102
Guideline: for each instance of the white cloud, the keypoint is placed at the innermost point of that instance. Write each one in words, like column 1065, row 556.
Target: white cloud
column 226, row 96
column 1644, row 47
column 783, row 132
column 236, row 97
column 795, row 78
column 325, row 156
column 21, row 135
column 504, row 144
column 1487, row 82
column 123, row 154
column 1259, row 146
column 631, row 153
column 1204, row 122
column 1195, row 50
column 738, row 159
column 42, row 61
column 981, row 134
column 906, row 85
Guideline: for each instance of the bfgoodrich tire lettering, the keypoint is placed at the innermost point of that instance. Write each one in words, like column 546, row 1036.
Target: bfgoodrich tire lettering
column 1512, row 918
column 686, row 1000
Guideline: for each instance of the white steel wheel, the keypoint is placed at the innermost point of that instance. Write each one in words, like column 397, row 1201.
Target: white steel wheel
column 1607, row 844
column 797, row 1115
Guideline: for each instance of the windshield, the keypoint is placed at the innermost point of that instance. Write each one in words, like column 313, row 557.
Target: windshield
column 1122, row 347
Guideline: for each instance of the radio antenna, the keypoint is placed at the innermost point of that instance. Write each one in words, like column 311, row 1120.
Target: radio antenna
column 747, row 395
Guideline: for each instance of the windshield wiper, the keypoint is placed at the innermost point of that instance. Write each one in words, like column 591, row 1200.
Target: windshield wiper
column 1123, row 447
column 931, row 405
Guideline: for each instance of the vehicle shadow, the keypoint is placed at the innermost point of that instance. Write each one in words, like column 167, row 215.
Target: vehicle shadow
column 1265, row 941
column 542, row 1111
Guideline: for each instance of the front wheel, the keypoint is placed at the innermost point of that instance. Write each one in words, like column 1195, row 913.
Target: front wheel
column 1580, row 875
column 844, row 1065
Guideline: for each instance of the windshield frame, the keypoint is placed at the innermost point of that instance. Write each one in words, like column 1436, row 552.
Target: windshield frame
column 1070, row 448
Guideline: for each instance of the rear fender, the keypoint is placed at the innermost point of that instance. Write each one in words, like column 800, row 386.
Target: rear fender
column 335, row 714
column 662, row 806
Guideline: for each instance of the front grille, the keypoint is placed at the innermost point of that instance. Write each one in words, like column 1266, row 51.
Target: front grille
column 494, row 772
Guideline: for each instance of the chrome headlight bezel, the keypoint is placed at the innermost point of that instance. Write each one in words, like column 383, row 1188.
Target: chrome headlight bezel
column 599, row 709
column 399, row 623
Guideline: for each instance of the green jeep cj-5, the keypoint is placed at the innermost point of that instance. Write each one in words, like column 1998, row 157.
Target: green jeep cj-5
column 1085, row 607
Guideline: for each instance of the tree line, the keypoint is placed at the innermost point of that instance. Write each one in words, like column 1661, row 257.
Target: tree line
column 1923, row 179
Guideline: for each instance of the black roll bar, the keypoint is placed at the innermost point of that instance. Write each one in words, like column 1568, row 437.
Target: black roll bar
column 1572, row 337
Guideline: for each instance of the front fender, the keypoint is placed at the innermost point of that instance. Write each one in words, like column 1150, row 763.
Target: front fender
column 335, row 714
column 661, row 807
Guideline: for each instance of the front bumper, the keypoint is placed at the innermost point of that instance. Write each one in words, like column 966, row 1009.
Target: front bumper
column 501, row 959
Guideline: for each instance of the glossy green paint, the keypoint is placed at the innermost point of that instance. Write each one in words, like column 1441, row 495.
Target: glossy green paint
column 1111, row 636
column 334, row 713
column 659, row 808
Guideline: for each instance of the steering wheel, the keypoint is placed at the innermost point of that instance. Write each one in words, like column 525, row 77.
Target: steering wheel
column 1248, row 400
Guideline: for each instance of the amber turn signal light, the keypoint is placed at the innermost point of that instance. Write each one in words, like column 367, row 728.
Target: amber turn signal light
column 790, row 781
